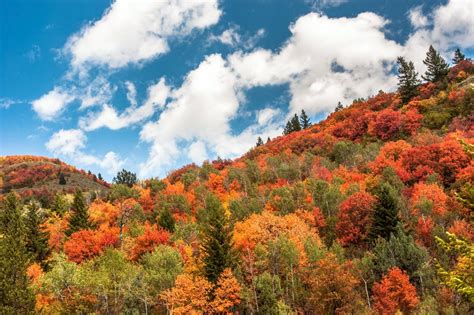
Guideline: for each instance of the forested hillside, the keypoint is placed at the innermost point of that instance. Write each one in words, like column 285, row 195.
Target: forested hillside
column 369, row 211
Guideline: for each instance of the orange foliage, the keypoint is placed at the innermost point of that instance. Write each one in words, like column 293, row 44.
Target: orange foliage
column 226, row 293
column 151, row 238
column 55, row 226
column 86, row 244
column 462, row 229
column 431, row 193
column 394, row 293
column 146, row 201
column 103, row 213
column 188, row 296
column 34, row 272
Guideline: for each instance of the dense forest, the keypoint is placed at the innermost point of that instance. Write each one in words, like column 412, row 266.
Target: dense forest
column 369, row 211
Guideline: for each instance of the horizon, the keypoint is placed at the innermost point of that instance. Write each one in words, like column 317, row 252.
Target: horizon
column 203, row 83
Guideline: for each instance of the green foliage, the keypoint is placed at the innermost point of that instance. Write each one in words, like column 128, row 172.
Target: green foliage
column 166, row 220
column 437, row 68
column 304, row 120
column 407, row 79
column 259, row 142
column 268, row 290
column 216, row 241
column 79, row 218
column 60, row 205
column 15, row 294
column 385, row 218
column 458, row 56
column 293, row 125
column 62, row 179
column 242, row 208
column 126, row 178
column 36, row 239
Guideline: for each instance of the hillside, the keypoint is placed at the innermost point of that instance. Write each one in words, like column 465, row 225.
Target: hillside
column 35, row 175
column 368, row 212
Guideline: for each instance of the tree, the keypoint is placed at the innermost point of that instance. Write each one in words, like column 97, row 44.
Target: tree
column 395, row 293
column 268, row 139
column 259, row 142
column 226, row 293
column 268, row 289
column 295, row 123
column 166, row 220
column 15, row 294
column 188, row 296
column 458, row 56
column 79, row 215
column 126, row 178
column 216, row 241
column 304, row 120
column 36, row 239
column 147, row 242
column 62, row 179
column 60, row 205
column 437, row 68
column 355, row 216
column 99, row 176
column 386, row 213
column 339, row 107
column 407, row 79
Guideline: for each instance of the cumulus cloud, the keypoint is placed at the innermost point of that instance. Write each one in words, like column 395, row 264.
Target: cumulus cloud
column 417, row 18
column 108, row 116
column 50, row 105
column 231, row 37
column 70, row 144
column 133, row 31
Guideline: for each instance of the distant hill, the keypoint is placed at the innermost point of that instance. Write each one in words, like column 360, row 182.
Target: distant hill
column 33, row 175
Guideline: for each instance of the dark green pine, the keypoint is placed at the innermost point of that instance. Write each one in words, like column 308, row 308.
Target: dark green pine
column 37, row 240
column 79, row 218
column 385, row 218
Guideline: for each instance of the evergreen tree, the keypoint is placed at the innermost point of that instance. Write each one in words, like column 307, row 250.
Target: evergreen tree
column 458, row 56
column 407, row 79
column 126, row 178
column 15, row 294
column 259, row 142
column 437, row 68
column 295, row 123
column 216, row 239
column 80, row 218
column 304, row 120
column 288, row 128
column 36, row 240
column 60, row 205
column 100, row 176
column 339, row 107
column 268, row 140
column 268, row 289
column 166, row 220
column 62, row 179
column 385, row 218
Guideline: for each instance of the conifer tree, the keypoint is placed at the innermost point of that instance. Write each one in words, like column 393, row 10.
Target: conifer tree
column 166, row 220
column 216, row 239
column 259, row 142
column 437, row 68
column 407, row 79
column 288, row 128
column 36, row 240
column 385, row 218
column 15, row 294
column 268, row 140
column 62, row 179
column 126, row 178
column 458, row 56
column 304, row 120
column 295, row 123
column 99, row 176
column 80, row 218
column 339, row 107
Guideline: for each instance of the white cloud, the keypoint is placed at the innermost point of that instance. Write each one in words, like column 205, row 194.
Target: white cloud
column 266, row 115
column 97, row 92
column 70, row 143
column 319, row 4
column 134, row 31
column 108, row 116
column 50, row 105
column 197, row 152
column 417, row 18
column 231, row 37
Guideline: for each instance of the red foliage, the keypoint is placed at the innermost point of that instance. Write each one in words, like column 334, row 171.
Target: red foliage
column 86, row 244
column 394, row 293
column 387, row 124
column 151, row 238
column 355, row 215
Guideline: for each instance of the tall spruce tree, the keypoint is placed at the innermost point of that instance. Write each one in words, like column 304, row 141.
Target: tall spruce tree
column 36, row 240
column 80, row 218
column 15, row 295
column 288, row 128
column 385, row 218
column 216, row 239
column 295, row 123
column 407, row 79
column 339, row 107
column 268, row 139
column 437, row 68
column 458, row 56
column 304, row 120
column 259, row 142
column 126, row 178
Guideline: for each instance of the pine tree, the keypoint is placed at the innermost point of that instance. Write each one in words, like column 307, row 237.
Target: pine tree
column 386, row 213
column 80, row 218
column 458, row 56
column 437, row 68
column 166, row 220
column 15, row 294
column 268, row 140
column 125, row 177
column 407, row 79
column 99, row 176
column 304, row 120
column 295, row 123
column 216, row 240
column 288, row 128
column 62, row 179
column 259, row 142
column 36, row 240
column 339, row 107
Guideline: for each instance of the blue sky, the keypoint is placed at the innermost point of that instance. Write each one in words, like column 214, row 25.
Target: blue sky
column 150, row 87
